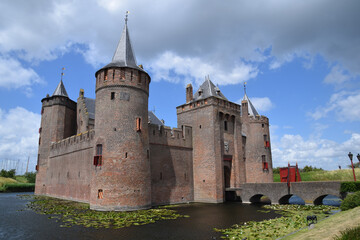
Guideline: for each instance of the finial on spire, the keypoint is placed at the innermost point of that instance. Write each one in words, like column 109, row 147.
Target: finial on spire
column 245, row 88
column 126, row 16
column 62, row 73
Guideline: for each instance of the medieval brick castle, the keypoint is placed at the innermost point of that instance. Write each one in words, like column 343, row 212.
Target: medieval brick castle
column 113, row 153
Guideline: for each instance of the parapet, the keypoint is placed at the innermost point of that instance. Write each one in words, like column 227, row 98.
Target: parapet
column 73, row 143
column 206, row 102
column 173, row 137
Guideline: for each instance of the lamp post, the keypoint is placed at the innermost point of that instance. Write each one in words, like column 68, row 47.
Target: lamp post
column 352, row 165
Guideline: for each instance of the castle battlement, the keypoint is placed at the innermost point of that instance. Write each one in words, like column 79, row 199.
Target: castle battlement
column 79, row 141
column 172, row 137
column 224, row 104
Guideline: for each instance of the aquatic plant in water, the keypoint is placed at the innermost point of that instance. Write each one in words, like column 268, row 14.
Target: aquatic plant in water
column 293, row 218
column 74, row 213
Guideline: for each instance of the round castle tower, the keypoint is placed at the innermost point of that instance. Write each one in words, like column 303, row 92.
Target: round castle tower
column 58, row 112
column 121, row 179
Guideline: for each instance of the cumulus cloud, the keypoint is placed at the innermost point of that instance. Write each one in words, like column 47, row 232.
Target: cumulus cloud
column 322, row 153
column 174, row 68
column 13, row 75
column 337, row 76
column 242, row 35
column 19, row 135
column 344, row 105
column 262, row 104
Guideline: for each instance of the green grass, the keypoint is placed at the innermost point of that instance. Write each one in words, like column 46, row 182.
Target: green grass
column 15, row 185
column 349, row 234
column 330, row 227
column 335, row 175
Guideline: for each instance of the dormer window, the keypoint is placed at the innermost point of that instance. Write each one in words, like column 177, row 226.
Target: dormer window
column 200, row 92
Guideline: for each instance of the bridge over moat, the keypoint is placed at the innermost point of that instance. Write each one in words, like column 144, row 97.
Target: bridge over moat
column 280, row 193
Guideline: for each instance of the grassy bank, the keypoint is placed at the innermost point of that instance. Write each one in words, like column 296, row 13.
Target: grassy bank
column 19, row 184
column 335, row 175
column 294, row 218
column 330, row 227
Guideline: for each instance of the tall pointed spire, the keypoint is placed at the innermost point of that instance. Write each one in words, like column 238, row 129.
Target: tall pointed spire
column 124, row 54
column 60, row 90
column 251, row 109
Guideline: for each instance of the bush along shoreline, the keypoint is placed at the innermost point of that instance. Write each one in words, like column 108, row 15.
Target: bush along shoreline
column 17, row 187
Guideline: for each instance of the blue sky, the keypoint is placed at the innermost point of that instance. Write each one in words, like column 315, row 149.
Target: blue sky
column 300, row 59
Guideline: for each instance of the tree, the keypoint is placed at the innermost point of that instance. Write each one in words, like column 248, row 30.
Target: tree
column 30, row 176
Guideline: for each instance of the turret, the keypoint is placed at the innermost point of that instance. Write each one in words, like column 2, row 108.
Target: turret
column 58, row 121
column 121, row 179
column 257, row 148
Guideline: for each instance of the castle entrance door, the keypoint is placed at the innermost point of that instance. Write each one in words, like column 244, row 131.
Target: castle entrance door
column 227, row 170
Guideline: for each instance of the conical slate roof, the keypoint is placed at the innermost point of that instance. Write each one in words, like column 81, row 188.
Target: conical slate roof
column 60, row 90
column 251, row 108
column 208, row 89
column 124, row 55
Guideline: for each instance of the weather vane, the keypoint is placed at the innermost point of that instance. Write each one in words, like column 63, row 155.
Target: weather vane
column 62, row 73
column 126, row 16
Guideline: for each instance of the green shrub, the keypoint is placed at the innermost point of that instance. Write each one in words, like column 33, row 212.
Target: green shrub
column 18, row 187
column 7, row 174
column 30, row 176
column 349, row 234
column 350, row 187
column 351, row 201
column 276, row 170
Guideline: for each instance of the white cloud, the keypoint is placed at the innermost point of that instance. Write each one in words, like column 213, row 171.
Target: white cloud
column 337, row 76
column 275, row 30
column 262, row 104
column 317, row 152
column 343, row 104
column 19, row 135
column 13, row 75
column 174, row 68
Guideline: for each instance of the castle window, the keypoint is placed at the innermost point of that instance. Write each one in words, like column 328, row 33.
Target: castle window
column 225, row 125
column 153, row 132
column 264, row 163
column 148, row 154
column 40, row 130
column 262, row 125
column 126, row 155
column 113, row 74
column 122, row 74
column 98, row 156
column 138, row 124
column 100, row 194
column 131, row 75
column 106, row 75
column 200, row 126
column 161, row 177
column 265, row 137
column 112, row 96
column 39, row 140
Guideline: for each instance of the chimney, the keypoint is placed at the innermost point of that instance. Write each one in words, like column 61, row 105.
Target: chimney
column 189, row 93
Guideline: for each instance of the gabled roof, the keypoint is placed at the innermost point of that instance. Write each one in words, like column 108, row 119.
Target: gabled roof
column 208, row 89
column 60, row 90
column 251, row 108
column 153, row 119
column 124, row 55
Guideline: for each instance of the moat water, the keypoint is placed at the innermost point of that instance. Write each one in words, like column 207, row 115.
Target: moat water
column 18, row 222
